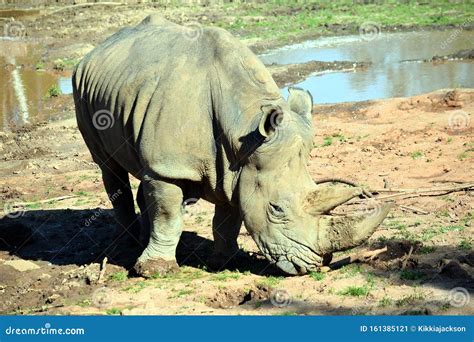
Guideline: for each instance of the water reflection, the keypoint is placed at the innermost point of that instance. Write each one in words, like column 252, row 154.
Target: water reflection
column 388, row 76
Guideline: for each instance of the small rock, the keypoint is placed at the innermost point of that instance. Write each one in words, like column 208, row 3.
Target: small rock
column 22, row 265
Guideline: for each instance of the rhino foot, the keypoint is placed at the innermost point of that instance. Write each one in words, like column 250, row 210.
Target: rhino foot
column 155, row 267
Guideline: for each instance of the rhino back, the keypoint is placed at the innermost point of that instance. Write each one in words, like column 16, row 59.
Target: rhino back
column 169, row 95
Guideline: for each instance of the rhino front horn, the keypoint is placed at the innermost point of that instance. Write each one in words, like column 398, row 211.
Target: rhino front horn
column 338, row 233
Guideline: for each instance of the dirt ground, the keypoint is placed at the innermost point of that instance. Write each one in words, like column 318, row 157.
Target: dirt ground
column 51, row 253
column 56, row 223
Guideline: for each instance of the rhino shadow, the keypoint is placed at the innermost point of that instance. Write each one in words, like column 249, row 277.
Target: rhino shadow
column 65, row 236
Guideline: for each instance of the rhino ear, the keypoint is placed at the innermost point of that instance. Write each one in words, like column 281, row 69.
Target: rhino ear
column 272, row 117
column 300, row 102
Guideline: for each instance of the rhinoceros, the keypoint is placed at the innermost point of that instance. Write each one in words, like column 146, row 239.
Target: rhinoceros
column 193, row 113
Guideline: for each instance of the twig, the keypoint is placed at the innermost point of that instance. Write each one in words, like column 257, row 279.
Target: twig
column 103, row 267
column 358, row 257
column 407, row 258
column 85, row 5
column 445, row 190
column 54, row 199
column 447, row 181
column 414, row 209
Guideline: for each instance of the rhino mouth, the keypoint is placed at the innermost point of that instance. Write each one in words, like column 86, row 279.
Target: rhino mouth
column 300, row 252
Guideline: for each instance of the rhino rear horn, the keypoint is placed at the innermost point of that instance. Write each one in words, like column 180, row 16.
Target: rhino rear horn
column 324, row 199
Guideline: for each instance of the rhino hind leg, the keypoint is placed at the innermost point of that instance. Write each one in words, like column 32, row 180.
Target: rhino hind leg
column 117, row 185
column 226, row 226
column 144, row 217
column 163, row 201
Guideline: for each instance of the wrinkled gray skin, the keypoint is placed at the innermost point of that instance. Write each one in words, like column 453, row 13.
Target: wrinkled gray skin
column 196, row 115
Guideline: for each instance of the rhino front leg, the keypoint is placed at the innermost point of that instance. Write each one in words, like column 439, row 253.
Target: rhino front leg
column 163, row 200
column 225, row 228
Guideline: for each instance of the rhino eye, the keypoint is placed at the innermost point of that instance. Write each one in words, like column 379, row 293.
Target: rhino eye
column 276, row 210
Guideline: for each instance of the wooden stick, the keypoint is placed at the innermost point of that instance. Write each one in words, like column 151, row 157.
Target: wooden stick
column 414, row 209
column 358, row 257
column 407, row 257
column 103, row 267
column 89, row 4
column 54, row 199
column 446, row 190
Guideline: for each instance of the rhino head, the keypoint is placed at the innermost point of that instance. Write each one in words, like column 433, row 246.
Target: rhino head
column 283, row 209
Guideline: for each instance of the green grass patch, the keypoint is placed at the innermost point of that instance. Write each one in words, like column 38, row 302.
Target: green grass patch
column 318, row 276
column 226, row 275
column 465, row 245
column 410, row 299
column 351, row 270
column 113, row 311
column 54, row 91
column 119, row 276
column 417, row 155
column 135, row 288
column 411, row 275
column 427, row 249
column 355, row 291
column 270, row 281
column 385, row 301
column 327, row 141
